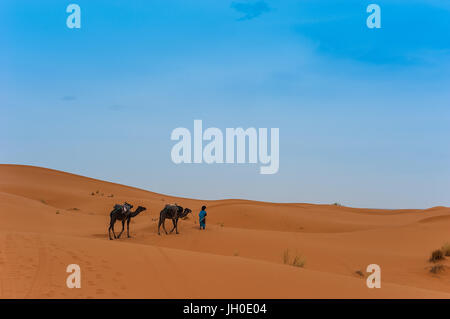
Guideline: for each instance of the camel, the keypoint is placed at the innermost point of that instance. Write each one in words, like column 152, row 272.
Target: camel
column 117, row 214
column 173, row 212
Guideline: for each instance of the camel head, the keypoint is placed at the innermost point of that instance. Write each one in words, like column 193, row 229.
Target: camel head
column 138, row 210
column 185, row 212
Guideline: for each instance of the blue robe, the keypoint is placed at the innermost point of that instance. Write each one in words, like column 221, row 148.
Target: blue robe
column 202, row 219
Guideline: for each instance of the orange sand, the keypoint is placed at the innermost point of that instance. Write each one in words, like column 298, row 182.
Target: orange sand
column 240, row 255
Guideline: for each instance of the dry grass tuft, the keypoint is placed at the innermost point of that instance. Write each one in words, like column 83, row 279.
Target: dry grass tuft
column 286, row 257
column 337, row 204
column 446, row 249
column 436, row 269
column 296, row 260
column 436, row 255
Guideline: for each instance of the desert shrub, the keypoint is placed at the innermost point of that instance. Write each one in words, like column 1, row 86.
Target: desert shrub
column 286, row 256
column 446, row 249
column 299, row 261
column 436, row 255
column 296, row 260
column 436, row 269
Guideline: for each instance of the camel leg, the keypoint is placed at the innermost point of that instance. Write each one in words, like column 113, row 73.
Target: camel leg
column 123, row 227
column 109, row 231
column 109, row 228
column 164, row 226
column 173, row 222
column 159, row 225
column 112, row 228
column 128, row 227
column 175, row 225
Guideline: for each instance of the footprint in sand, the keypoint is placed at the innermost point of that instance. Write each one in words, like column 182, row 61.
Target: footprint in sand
column 100, row 291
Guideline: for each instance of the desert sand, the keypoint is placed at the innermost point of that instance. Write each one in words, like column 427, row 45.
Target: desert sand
column 50, row 219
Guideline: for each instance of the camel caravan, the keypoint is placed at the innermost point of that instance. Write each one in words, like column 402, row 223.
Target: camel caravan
column 124, row 214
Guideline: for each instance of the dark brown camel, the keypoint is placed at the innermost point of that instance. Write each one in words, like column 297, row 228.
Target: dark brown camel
column 173, row 212
column 118, row 214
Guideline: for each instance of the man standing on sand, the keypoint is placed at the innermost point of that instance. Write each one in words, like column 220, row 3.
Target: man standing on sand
column 202, row 217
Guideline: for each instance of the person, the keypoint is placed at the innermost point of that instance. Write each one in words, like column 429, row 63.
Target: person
column 202, row 217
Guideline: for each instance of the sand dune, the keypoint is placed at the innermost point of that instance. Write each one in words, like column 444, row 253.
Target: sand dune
column 50, row 219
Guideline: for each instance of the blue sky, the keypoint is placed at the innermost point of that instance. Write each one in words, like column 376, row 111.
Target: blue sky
column 363, row 113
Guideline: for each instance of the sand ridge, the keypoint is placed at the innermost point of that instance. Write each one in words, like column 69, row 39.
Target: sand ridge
column 51, row 219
